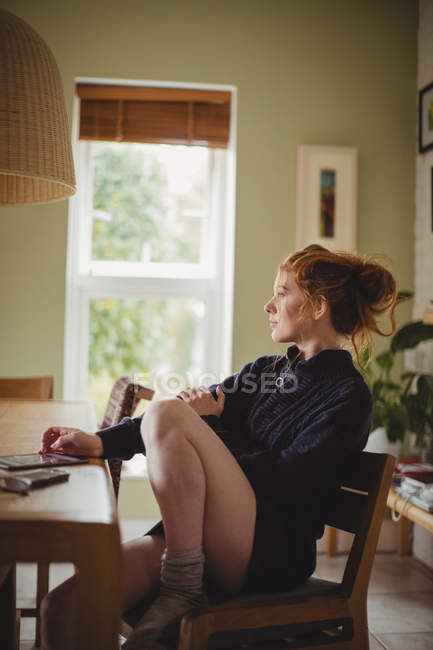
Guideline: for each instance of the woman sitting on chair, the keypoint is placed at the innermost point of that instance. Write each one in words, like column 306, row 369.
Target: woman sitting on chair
column 243, row 471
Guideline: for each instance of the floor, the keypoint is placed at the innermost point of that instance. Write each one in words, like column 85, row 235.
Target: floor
column 400, row 597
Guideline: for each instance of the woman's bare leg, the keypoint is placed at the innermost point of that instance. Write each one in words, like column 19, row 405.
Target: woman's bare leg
column 204, row 497
column 141, row 569
column 205, row 501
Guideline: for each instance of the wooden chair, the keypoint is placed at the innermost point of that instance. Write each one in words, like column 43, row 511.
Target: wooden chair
column 320, row 613
column 27, row 387
column 122, row 402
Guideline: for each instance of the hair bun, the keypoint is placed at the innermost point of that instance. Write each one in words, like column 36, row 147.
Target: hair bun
column 376, row 283
column 359, row 290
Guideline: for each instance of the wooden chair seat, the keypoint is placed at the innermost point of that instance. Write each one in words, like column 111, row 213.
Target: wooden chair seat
column 222, row 640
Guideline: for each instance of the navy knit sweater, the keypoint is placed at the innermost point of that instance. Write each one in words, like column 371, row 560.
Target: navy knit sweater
column 292, row 439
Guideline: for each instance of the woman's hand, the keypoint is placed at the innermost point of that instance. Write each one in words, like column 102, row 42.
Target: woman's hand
column 64, row 440
column 202, row 400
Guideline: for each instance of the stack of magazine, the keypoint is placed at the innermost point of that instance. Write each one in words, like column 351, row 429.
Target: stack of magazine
column 414, row 481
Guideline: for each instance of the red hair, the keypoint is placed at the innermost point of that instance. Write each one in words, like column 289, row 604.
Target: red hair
column 357, row 289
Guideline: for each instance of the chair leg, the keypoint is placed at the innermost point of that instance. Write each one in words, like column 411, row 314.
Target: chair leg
column 194, row 632
column 17, row 629
column 125, row 629
column 42, row 587
column 360, row 631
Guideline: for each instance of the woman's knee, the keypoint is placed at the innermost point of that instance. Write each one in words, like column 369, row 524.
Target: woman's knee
column 160, row 420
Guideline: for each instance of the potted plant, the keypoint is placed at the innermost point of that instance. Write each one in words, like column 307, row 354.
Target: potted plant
column 404, row 405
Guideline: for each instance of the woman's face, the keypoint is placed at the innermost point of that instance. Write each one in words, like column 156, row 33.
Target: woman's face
column 284, row 309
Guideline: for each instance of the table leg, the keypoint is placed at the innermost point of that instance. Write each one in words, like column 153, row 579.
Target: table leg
column 8, row 627
column 42, row 588
column 98, row 559
column 404, row 536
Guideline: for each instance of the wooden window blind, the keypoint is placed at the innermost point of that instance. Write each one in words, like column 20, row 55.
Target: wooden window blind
column 149, row 114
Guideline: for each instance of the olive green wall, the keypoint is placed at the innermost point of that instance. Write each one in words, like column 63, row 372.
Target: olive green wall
column 341, row 72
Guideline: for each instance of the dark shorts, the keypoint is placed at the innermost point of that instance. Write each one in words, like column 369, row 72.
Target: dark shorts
column 283, row 555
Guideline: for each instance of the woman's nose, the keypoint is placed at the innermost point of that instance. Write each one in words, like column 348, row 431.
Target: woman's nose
column 269, row 306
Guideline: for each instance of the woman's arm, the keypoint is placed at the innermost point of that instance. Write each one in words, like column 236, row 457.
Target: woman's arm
column 122, row 440
column 239, row 390
column 65, row 440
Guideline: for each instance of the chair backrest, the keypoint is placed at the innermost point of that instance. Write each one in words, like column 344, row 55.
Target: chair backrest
column 27, row 387
column 122, row 402
column 359, row 509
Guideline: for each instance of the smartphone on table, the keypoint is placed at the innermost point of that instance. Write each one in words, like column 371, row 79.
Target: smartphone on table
column 36, row 478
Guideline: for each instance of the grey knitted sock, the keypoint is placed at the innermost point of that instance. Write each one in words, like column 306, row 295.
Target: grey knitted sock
column 181, row 588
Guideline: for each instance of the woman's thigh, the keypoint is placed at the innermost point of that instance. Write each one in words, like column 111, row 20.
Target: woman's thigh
column 230, row 504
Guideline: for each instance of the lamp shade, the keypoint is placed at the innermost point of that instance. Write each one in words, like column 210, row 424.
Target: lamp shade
column 36, row 164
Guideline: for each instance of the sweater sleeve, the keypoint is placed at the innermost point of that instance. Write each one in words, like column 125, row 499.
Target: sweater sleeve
column 300, row 473
column 239, row 390
column 122, row 440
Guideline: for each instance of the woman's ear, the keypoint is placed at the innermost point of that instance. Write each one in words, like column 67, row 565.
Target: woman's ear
column 320, row 307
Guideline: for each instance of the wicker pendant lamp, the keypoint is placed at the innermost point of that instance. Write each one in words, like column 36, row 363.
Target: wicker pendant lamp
column 36, row 163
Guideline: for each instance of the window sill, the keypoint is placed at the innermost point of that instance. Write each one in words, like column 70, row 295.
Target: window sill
column 135, row 469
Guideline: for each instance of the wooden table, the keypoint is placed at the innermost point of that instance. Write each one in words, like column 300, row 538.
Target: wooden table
column 73, row 522
column 411, row 514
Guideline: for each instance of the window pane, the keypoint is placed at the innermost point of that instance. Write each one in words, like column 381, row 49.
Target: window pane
column 149, row 202
column 157, row 341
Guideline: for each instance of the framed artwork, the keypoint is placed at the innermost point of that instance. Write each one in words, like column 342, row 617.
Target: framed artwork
column 425, row 125
column 431, row 197
column 326, row 199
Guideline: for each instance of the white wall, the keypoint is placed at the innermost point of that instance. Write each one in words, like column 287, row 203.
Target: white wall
column 423, row 540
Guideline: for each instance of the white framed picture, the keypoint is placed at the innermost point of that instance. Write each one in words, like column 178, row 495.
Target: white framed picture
column 425, row 119
column 326, row 200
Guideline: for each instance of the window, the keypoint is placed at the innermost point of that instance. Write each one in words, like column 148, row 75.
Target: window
column 150, row 244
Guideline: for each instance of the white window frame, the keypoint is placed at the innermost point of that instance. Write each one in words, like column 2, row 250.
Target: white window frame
column 215, row 287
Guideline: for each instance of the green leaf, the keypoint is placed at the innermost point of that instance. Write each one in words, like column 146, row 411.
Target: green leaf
column 364, row 356
column 391, row 385
column 364, row 365
column 417, row 415
column 385, row 361
column 425, row 390
column 410, row 335
column 404, row 295
column 398, row 422
column 379, row 415
column 377, row 389
column 409, row 376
